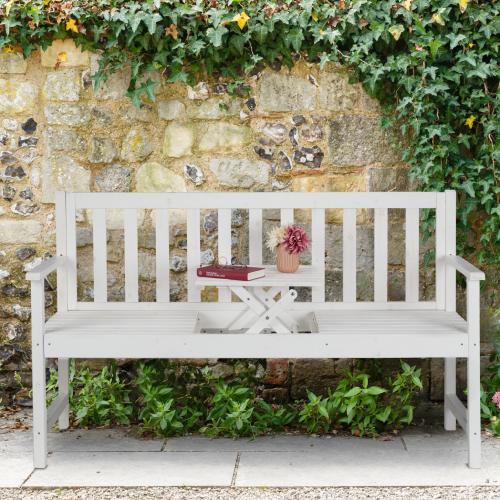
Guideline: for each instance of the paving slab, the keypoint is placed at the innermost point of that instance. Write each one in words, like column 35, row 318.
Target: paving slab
column 135, row 469
column 290, row 443
column 14, row 468
column 355, row 468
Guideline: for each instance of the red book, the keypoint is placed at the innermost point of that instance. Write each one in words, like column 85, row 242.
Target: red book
column 239, row 273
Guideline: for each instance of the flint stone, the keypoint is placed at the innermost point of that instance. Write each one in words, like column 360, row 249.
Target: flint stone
column 25, row 253
column 4, row 274
column 72, row 115
column 198, row 92
column 26, row 194
column 276, row 132
column 8, row 193
column 24, row 209
column 178, row 264
column 114, row 179
column 359, row 141
column 264, row 152
column 14, row 173
column 239, row 173
column 27, row 141
column 311, row 157
column 294, row 137
column 312, row 133
column 279, row 185
column 143, row 113
column 7, row 158
column 102, row 150
column 12, row 331
column 10, row 124
column 210, row 222
column 283, row 163
column 207, row 257
column 250, row 103
column 29, row 126
column 236, row 217
column 298, row 120
column 278, row 93
column 62, row 86
column 194, row 174
column 12, row 290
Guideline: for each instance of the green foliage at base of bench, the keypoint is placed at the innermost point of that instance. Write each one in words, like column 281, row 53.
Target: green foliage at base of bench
column 433, row 64
column 168, row 399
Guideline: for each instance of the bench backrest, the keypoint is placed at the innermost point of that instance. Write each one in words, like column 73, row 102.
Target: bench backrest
column 68, row 205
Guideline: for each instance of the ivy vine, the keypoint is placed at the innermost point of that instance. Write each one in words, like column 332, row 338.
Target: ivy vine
column 433, row 64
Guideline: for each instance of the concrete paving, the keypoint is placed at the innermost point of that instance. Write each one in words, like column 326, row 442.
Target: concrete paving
column 117, row 457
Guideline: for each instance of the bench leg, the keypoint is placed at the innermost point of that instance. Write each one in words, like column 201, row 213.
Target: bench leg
column 38, row 376
column 450, row 387
column 63, row 387
column 473, row 377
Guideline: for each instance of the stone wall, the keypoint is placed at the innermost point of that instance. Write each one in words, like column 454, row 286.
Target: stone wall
column 298, row 130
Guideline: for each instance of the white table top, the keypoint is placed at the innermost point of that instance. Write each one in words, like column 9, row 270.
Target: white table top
column 305, row 276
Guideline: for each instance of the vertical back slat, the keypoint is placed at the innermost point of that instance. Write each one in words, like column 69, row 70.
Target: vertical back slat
column 100, row 254
column 411, row 261
column 349, row 255
column 62, row 277
column 286, row 218
column 440, row 251
column 162, row 255
column 255, row 236
column 318, row 250
column 131, row 255
column 193, row 252
column 451, row 235
column 380, row 254
column 224, row 246
column 71, row 249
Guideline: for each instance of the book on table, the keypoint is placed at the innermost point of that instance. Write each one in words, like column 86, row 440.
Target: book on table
column 239, row 273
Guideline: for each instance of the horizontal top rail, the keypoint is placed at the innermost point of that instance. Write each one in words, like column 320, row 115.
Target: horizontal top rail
column 255, row 200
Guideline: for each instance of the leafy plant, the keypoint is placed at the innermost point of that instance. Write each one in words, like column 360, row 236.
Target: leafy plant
column 100, row 399
column 433, row 65
column 490, row 386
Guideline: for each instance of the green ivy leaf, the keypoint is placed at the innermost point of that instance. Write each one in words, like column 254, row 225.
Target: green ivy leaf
column 215, row 35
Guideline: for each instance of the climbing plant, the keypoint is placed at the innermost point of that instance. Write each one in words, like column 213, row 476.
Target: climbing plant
column 433, row 64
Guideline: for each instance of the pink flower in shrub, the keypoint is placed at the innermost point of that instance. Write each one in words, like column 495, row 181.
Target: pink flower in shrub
column 496, row 398
column 295, row 239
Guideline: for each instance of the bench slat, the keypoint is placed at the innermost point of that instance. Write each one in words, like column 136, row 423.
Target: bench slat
column 162, row 256
column 131, row 255
column 349, row 255
column 411, row 254
column 224, row 246
column 318, row 250
column 440, row 251
column 193, row 252
column 99, row 255
column 71, row 249
column 255, row 236
column 380, row 254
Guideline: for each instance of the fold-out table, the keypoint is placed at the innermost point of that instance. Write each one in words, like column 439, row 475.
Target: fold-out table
column 264, row 310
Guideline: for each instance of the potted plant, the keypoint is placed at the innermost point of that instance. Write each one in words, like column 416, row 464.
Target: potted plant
column 288, row 242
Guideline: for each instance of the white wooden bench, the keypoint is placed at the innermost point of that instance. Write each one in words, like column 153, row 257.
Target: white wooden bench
column 163, row 329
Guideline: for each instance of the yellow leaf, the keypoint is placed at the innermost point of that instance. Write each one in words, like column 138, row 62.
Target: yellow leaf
column 62, row 57
column 71, row 26
column 8, row 49
column 396, row 31
column 406, row 4
column 314, row 16
column 438, row 19
column 470, row 121
column 463, row 5
column 241, row 19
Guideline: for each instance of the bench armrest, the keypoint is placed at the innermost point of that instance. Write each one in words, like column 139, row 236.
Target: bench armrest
column 40, row 271
column 471, row 272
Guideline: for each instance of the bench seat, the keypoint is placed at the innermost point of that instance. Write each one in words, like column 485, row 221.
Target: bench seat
column 172, row 334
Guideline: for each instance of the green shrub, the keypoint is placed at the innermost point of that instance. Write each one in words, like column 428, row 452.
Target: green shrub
column 490, row 412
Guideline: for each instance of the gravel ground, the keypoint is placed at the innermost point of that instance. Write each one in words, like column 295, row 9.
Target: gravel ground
column 445, row 493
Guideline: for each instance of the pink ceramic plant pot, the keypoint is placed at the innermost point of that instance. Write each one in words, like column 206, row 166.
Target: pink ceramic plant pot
column 286, row 262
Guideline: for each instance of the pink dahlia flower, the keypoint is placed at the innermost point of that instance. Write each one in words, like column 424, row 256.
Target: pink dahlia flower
column 496, row 398
column 295, row 239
